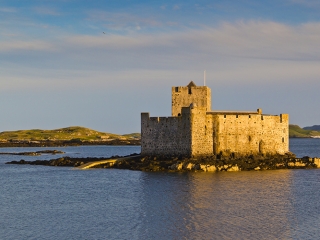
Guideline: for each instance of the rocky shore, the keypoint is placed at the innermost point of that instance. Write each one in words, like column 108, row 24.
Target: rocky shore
column 218, row 163
column 182, row 164
column 37, row 153
column 61, row 162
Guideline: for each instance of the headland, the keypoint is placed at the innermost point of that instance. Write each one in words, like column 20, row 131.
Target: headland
column 69, row 136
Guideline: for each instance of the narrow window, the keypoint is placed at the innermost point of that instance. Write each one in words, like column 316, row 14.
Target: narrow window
column 237, row 116
column 283, row 140
column 225, row 116
column 177, row 89
column 189, row 91
column 249, row 116
column 261, row 117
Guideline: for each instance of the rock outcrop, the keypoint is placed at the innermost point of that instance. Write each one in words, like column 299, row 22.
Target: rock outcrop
column 222, row 162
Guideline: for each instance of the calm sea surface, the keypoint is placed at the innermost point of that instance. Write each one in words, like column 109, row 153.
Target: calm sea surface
column 39, row 202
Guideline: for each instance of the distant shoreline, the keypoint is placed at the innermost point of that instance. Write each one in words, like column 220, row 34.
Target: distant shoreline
column 67, row 143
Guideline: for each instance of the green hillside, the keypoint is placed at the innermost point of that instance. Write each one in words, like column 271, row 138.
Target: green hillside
column 69, row 133
column 296, row 131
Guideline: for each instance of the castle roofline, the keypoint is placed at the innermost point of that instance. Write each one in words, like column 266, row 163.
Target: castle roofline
column 232, row 112
column 259, row 111
column 191, row 84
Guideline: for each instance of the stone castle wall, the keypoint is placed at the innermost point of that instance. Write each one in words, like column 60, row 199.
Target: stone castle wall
column 166, row 135
column 184, row 96
column 195, row 130
column 201, row 132
column 253, row 133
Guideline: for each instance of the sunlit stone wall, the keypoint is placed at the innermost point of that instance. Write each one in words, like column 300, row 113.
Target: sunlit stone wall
column 251, row 133
column 195, row 130
column 184, row 96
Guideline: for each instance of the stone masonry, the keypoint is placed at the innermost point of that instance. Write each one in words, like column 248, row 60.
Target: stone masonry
column 195, row 130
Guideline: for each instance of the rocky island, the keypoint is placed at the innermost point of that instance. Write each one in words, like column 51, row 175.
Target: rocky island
column 221, row 162
column 194, row 138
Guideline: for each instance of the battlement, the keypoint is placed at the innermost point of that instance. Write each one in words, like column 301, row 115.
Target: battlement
column 259, row 112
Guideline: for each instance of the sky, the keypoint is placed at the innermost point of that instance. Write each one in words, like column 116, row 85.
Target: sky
column 100, row 63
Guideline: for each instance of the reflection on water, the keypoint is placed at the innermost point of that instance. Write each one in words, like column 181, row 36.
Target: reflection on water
column 39, row 202
column 244, row 205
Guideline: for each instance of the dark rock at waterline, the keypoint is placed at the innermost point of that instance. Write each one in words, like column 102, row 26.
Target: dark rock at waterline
column 37, row 153
column 213, row 163
column 64, row 161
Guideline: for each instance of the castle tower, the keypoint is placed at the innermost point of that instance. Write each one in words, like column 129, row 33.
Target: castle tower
column 184, row 96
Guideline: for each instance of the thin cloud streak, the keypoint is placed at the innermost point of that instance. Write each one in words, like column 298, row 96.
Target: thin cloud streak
column 46, row 11
column 264, row 40
column 121, row 21
column 243, row 51
column 32, row 45
column 8, row 10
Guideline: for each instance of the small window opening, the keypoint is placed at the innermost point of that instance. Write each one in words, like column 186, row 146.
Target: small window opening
column 179, row 114
column 261, row 117
column 237, row 116
column 225, row 116
column 249, row 116
column 283, row 140
column 189, row 91
column 177, row 89
column 249, row 138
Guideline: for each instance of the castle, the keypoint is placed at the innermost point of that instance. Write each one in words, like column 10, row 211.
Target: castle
column 195, row 130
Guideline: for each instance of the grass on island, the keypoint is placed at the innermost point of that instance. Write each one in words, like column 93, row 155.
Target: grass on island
column 68, row 133
column 296, row 131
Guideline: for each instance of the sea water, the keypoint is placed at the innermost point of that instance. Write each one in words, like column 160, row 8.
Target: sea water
column 41, row 202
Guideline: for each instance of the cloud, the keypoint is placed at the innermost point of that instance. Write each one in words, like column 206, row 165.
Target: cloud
column 267, row 40
column 260, row 40
column 121, row 21
column 31, row 45
column 46, row 11
column 176, row 7
column 253, row 39
column 163, row 7
column 246, row 52
column 8, row 10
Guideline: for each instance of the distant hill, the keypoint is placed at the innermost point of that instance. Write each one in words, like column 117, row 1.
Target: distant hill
column 68, row 133
column 296, row 131
column 314, row 128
